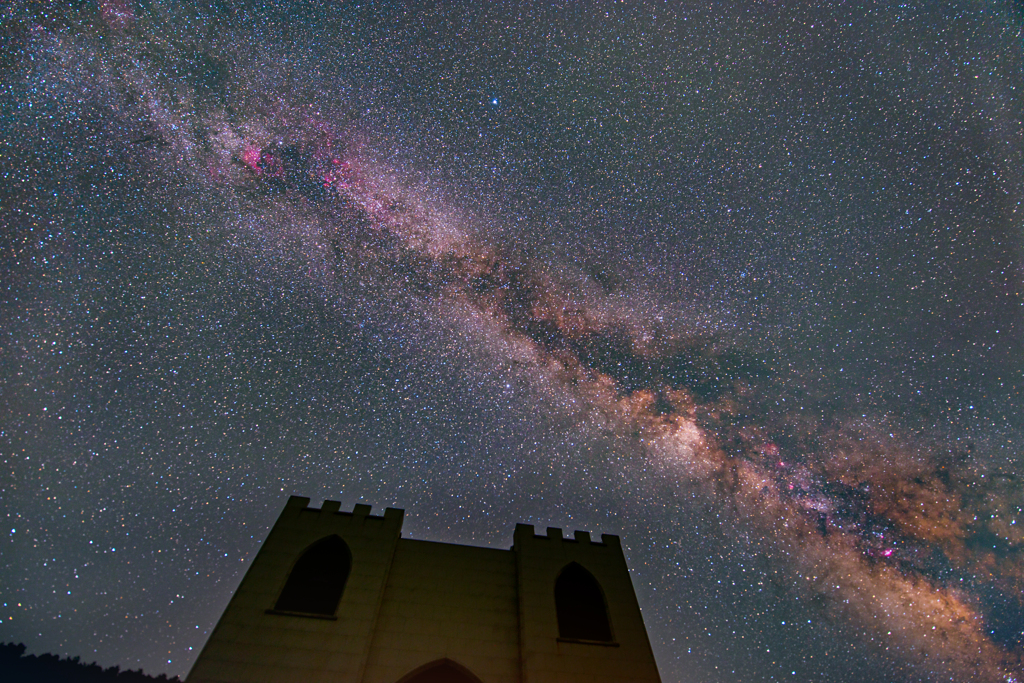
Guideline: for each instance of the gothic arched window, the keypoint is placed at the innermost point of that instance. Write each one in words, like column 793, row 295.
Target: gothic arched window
column 579, row 602
column 317, row 579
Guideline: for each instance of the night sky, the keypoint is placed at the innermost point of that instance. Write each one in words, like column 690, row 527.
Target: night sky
column 740, row 282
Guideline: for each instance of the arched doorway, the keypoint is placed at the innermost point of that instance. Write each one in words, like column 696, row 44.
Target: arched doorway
column 440, row 671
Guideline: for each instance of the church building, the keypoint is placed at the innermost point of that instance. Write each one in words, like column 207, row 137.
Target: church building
column 341, row 597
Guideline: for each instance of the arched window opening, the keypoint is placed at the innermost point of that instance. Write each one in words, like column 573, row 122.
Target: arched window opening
column 441, row 671
column 579, row 602
column 317, row 579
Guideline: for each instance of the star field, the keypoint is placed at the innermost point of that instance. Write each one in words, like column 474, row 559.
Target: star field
column 740, row 283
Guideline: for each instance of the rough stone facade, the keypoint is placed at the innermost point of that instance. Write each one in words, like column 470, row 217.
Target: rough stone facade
column 549, row 610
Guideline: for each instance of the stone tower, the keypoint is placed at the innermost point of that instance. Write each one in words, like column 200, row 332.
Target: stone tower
column 341, row 597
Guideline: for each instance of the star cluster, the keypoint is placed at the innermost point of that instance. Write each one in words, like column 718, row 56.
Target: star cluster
column 741, row 283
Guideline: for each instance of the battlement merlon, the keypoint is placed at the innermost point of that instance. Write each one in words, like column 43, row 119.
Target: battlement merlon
column 296, row 503
column 524, row 533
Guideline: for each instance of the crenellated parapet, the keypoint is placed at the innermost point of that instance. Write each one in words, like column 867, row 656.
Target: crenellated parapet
column 298, row 508
column 525, row 532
